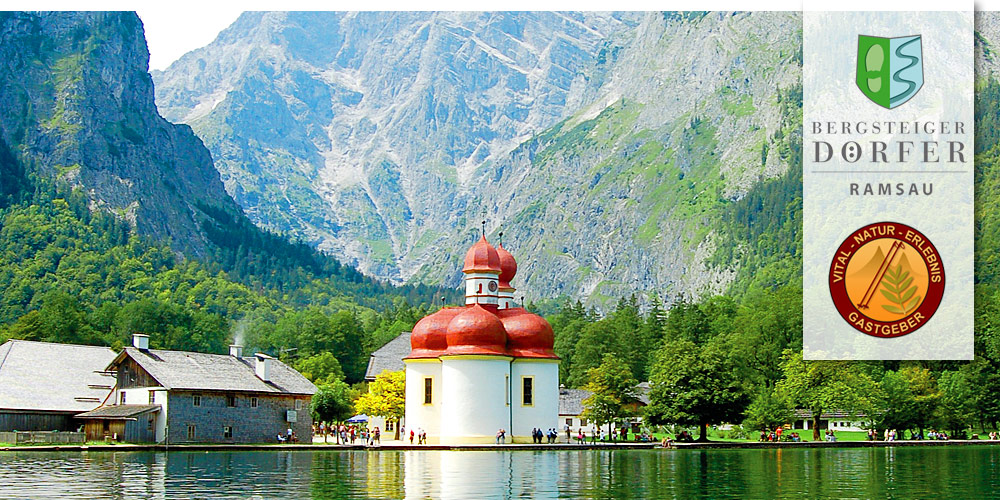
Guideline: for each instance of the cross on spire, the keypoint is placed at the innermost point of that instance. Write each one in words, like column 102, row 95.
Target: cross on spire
column 484, row 229
column 500, row 238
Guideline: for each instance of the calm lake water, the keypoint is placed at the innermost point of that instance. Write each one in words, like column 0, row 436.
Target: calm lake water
column 911, row 472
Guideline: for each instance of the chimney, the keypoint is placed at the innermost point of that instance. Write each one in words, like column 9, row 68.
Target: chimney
column 262, row 366
column 236, row 350
column 140, row 341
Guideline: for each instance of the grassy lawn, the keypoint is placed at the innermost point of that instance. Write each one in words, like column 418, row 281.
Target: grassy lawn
column 806, row 435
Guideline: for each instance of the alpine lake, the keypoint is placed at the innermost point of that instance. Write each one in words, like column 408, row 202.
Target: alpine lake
column 841, row 473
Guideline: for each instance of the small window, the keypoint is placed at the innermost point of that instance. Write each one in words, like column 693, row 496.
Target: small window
column 227, row 432
column 191, row 433
column 149, row 426
column 253, row 402
column 569, row 421
column 123, row 397
column 583, row 422
column 231, row 400
column 428, row 390
column 152, row 397
column 527, row 392
column 196, row 400
column 389, row 426
column 298, row 404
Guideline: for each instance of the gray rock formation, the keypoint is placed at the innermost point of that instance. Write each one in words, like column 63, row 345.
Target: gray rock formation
column 605, row 144
column 76, row 103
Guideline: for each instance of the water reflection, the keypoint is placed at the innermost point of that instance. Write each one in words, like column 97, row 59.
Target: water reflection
column 948, row 472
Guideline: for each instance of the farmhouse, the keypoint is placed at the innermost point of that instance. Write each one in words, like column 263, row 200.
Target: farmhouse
column 178, row 397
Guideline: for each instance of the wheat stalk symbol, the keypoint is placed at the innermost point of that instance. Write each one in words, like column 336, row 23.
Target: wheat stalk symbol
column 896, row 288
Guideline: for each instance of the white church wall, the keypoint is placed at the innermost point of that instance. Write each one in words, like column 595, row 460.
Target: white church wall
column 418, row 414
column 543, row 412
column 474, row 398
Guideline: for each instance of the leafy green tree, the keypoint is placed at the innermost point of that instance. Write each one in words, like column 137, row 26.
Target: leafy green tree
column 819, row 386
column 632, row 340
column 909, row 398
column 386, row 397
column 693, row 384
column 767, row 323
column 321, row 369
column 956, row 409
column 567, row 324
column 613, row 392
column 333, row 403
column 596, row 340
column 767, row 411
column 686, row 321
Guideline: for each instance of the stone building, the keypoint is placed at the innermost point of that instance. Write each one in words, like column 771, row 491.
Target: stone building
column 185, row 397
column 487, row 366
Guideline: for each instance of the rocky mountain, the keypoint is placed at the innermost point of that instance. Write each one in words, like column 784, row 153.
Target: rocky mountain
column 605, row 146
column 76, row 103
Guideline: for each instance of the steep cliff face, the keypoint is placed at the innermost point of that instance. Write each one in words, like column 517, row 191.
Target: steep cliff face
column 76, row 103
column 631, row 191
column 363, row 131
column 605, row 146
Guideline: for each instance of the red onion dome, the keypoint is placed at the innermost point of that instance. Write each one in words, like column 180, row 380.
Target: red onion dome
column 429, row 336
column 508, row 267
column 528, row 334
column 482, row 257
column 476, row 331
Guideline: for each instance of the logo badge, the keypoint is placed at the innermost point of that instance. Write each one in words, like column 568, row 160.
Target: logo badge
column 890, row 70
column 887, row 279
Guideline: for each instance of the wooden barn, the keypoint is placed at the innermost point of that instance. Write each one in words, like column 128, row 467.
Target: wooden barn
column 131, row 423
column 44, row 385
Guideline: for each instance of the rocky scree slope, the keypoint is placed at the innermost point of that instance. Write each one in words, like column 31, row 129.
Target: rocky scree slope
column 606, row 146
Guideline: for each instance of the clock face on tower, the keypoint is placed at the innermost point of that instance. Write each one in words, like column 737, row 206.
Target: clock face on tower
column 493, row 286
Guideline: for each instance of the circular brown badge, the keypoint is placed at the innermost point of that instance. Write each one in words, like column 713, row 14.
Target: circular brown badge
column 887, row 279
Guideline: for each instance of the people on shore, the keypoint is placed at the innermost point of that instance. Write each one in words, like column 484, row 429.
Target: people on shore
column 501, row 436
column 667, row 442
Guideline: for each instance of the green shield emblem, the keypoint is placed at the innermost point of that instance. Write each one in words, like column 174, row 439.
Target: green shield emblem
column 890, row 70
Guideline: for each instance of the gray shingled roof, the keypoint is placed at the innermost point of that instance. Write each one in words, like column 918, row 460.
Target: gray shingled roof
column 215, row 372
column 389, row 357
column 803, row 413
column 571, row 400
column 53, row 377
column 118, row 412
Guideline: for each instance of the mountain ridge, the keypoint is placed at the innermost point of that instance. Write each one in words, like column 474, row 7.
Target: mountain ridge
column 411, row 166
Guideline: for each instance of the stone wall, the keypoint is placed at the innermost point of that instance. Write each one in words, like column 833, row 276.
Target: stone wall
column 250, row 425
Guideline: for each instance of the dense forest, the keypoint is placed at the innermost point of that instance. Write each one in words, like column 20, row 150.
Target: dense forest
column 737, row 358
column 76, row 275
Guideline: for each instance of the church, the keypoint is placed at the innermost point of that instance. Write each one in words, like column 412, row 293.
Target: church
column 487, row 366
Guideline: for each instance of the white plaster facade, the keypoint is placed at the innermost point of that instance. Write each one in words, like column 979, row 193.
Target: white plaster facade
column 543, row 410
column 419, row 413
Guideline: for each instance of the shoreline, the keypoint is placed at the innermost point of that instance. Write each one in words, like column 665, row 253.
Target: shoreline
column 718, row 445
